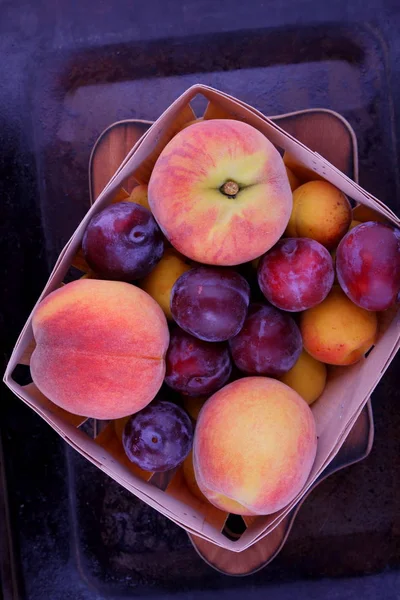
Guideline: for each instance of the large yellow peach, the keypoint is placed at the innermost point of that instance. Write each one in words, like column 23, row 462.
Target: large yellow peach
column 159, row 282
column 307, row 377
column 337, row 331
column 100, row 348
column 220, row 192
column 254, row 446
column 321, row 212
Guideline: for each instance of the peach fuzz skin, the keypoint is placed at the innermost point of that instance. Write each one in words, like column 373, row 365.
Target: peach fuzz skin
column 254, row 446
column 100, row 348
column 338, row 332
column 201, row 221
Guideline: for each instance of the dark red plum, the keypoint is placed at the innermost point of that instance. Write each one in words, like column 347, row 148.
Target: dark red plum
column 123, row 242
column 210, row 303
column 195, row 367
column 296, row 274
column 368, row 265
column 159, row 437
column 268, row 344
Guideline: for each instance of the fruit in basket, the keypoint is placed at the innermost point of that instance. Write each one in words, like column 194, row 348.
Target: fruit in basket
column 159, row 437
column 160, row 281
column 190, row 478
column 220, row 192
column 302, row 173
column 337, row 331
column 296, row 274
column 364, row 213
column 100, row 348
column 307, row 377
column 368, row 265
column 195, row 367
column 254, row 446
column 140, row 195
column 123, row 242
column 294, row 181
column 268, row 344
column 210, row 303
column 321, row 212
column 119, row 426
column 354, row 224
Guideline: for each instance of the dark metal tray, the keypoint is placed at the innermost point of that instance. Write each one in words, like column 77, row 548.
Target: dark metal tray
column 75, row 89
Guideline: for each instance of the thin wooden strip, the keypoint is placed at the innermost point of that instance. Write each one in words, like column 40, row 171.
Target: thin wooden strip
column 179, row 490
column 49, row 407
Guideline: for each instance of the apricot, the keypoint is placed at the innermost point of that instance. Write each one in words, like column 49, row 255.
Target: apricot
column 100, row 348
column 353, row 224
column 307, row 377
column 337, row 331
column 160, row 281
column 302, row 173
column 190, row 478
column 321, row 212
column 254, row 446
column 139, row 195
column 220, row 192
column 119, row 426
column 294, row 181
column 363, row 213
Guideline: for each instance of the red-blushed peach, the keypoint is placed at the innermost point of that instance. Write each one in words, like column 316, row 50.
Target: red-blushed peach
column 338, row 332
column 254, row 446
column 220, row 192
column 100, row 348
column 321, row 212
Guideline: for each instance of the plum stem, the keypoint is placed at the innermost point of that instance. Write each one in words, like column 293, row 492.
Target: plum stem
column 229, row 188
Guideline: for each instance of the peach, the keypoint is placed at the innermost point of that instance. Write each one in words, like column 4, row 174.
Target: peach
column 160, row 281
column 337, row 331
column 220, row 192
column 294, row 181
column 139, row 194
column 254, row 446
column 100, row 348
column 321, row 212
column 307, row 377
